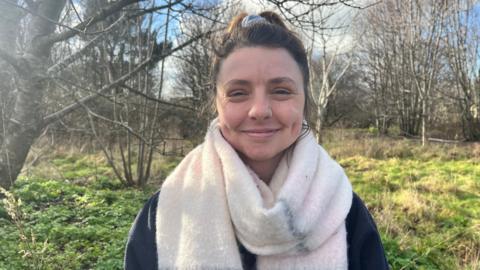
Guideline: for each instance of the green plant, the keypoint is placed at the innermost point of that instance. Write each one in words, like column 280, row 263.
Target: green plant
column 33, row 252
column 86, row 225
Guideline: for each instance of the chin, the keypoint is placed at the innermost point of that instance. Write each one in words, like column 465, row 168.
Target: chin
column 259, row 156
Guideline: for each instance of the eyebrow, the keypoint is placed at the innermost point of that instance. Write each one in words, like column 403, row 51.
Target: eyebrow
column 236, row 82
column 271, row 81
column 282, row 80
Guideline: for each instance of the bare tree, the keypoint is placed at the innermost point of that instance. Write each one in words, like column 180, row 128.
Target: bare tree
column 462, row 44
column 299, row 12
column 350, row 105
column 403, row 51
column 126, row 125
column 424, row 62
column 327, row 70
column 192, row 81
column 43, row 28
column 25, row 124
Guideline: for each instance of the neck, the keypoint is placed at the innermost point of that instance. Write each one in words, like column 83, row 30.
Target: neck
column 264, row 168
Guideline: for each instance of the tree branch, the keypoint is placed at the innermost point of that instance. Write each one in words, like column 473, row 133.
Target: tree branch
column 100, row 16
column 136, row 92
column 12, row 60
column 73, row 57
column 345, row 2
column 121, row 124
column 157, row 8
column 29, row 10
column 108, row 155
column 72, row 107
column 75, row 10
column 79, row 28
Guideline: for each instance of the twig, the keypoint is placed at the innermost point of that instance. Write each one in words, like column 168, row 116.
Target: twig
column 104, row 149
column 56, row 115
column 106, row 29
column 12, row 60
column 130, row 89
column 154, row 9
column 99, row 16
column 73, row 57
column 40, row 16
column 75, row 10
column 125, row 126
column 70, row 108
column 344, row 2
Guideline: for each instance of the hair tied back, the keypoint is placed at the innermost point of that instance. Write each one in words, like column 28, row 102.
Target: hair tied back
column 250, row 20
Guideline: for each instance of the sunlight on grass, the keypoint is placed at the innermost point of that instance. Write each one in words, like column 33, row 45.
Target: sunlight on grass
column 425, row 200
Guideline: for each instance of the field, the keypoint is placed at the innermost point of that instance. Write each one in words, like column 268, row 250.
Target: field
column 425, row 200
column 67, row 212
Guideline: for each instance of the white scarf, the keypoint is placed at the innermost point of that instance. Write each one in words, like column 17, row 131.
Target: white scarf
column 212, row 198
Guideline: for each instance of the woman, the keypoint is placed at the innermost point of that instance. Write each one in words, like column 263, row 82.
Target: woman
column 259, row 193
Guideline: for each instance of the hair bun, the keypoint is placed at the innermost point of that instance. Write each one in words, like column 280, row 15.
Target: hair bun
column 245, row 20
column 236, row 21
column 253, row 19
column 273, row 18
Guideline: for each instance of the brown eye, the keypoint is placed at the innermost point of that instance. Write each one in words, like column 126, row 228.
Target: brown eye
column 237, row 93
column 281, row 91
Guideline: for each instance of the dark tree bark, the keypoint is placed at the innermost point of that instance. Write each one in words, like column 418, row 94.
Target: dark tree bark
column 26, row 119
column 25, row 124
column 9, row 27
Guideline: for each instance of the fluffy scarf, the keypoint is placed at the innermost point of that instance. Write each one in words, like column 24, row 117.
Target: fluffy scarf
column 212, row 199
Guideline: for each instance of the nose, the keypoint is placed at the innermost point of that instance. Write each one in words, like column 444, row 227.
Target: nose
column 260, row 108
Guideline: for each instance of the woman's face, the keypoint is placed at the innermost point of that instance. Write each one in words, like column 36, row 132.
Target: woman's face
column 260, row 102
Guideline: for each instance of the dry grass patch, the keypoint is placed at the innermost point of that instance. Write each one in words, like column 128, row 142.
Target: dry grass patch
column 425, row 200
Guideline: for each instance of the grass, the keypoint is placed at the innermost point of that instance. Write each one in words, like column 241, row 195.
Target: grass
column 74, row 226
column 73, row 214
column 425, row 200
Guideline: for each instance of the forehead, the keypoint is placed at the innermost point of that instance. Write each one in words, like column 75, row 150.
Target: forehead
column 259, row 63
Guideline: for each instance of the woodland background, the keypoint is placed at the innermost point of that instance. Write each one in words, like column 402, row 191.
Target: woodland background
column 100, row 99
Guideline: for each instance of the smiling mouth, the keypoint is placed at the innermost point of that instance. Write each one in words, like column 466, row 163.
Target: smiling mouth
column 261, row 133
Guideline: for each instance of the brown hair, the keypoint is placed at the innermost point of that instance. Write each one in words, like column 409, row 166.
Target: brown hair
column 271, row 33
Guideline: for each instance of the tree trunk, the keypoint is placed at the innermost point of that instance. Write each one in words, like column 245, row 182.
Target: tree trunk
column 23, row 128
column 424, row 121
column 25, row 124
column 471, row 124
column 319, row 123
column 9, row 27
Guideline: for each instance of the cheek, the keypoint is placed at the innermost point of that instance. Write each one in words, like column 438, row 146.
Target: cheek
column 297, row 121
column 294, row 119
column 227, row 115
column 292, row 116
